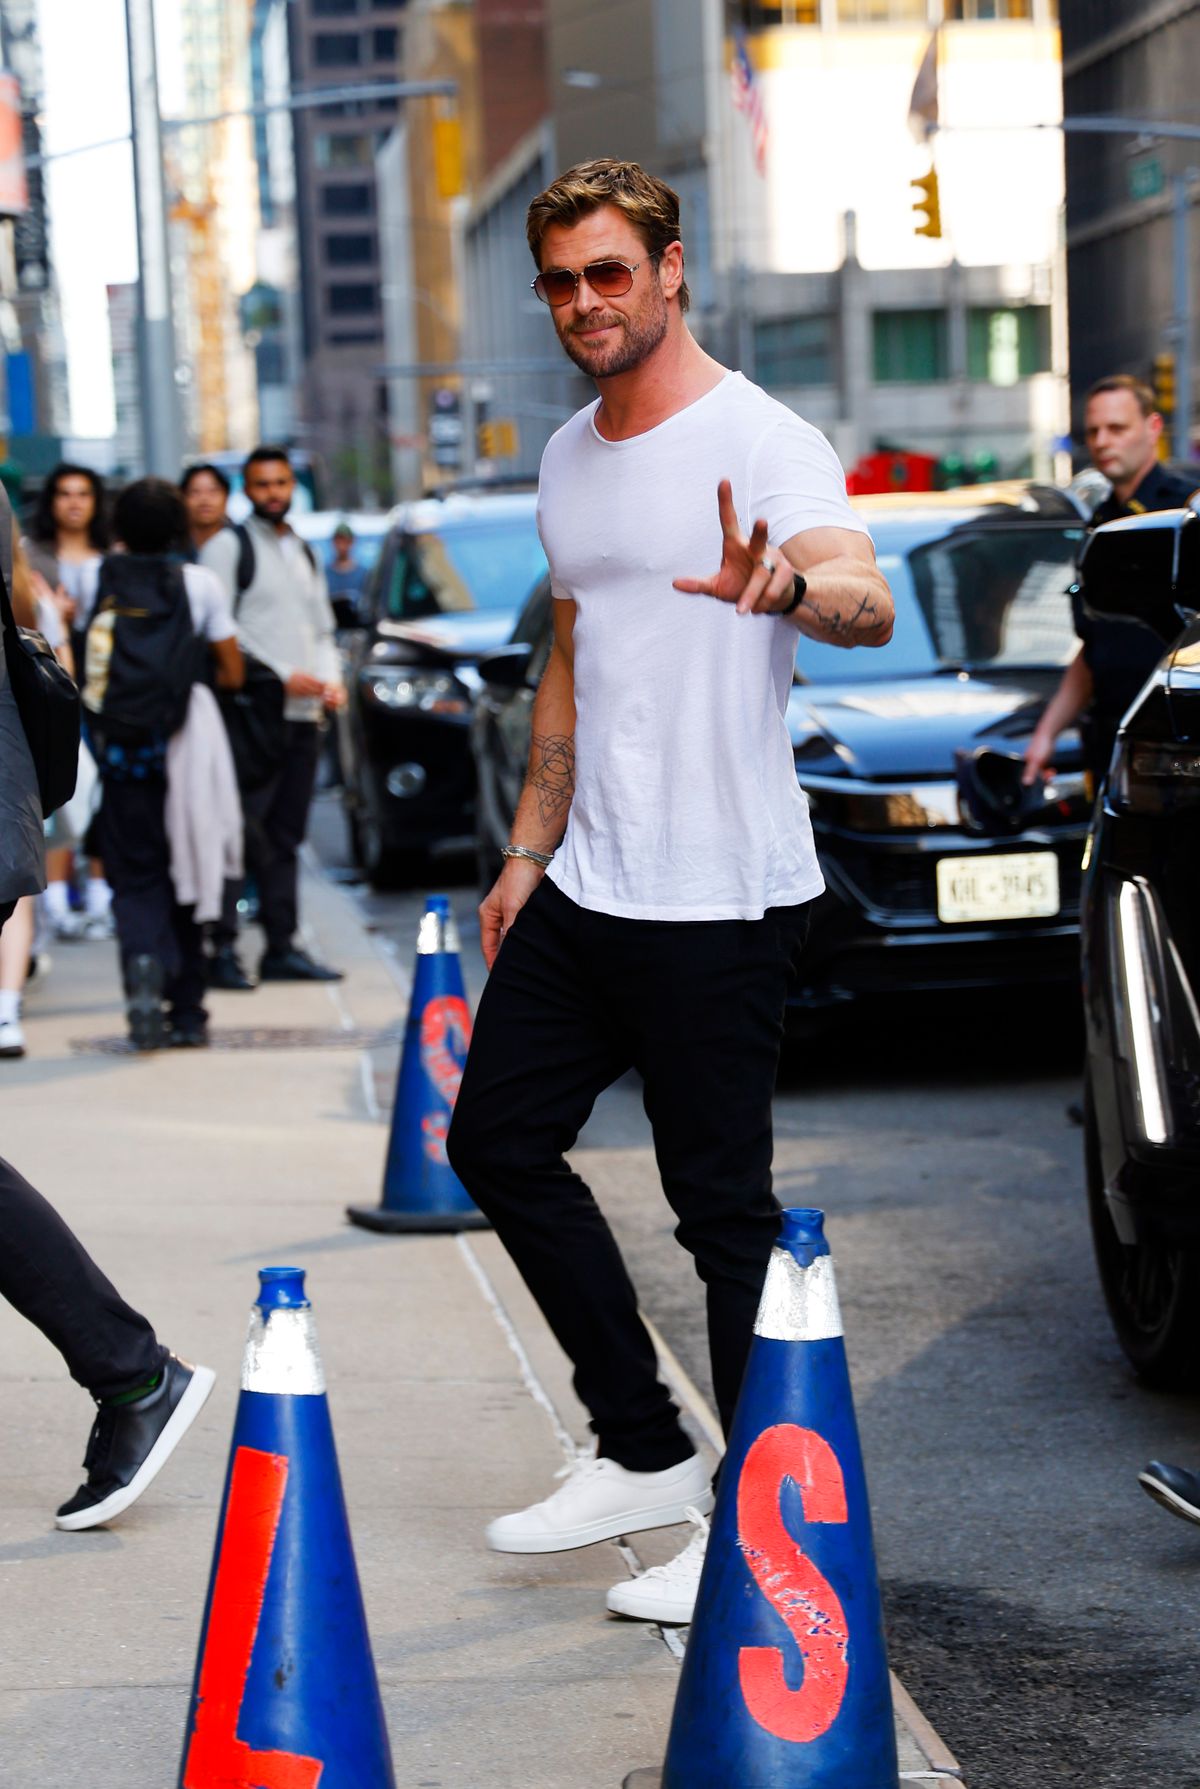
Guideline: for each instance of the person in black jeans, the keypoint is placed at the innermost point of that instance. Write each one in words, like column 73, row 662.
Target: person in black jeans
column 161, row 945
column 286, row 628
column 658, row 882
column 147, row 1397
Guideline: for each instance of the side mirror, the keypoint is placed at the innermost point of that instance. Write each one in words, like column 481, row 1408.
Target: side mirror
column 1144, row 568
column 508, row 667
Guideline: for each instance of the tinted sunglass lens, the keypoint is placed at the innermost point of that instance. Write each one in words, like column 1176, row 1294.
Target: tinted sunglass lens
column 608, row 279
column 557, row 287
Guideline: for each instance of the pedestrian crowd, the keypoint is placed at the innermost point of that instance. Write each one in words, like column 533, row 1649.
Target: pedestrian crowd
column 205, row 655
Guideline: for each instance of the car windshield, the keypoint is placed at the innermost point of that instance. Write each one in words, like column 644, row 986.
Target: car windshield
column 365, row 550
column 985, row 597
column 481, row 565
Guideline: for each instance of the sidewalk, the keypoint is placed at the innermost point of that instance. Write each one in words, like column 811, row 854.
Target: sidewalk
column 184, row 1172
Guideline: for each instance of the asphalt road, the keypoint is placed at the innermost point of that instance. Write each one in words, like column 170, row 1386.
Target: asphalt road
column 1041, row 1609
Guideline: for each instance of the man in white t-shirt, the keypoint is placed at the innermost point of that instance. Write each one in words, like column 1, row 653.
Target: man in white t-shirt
column 661, row 867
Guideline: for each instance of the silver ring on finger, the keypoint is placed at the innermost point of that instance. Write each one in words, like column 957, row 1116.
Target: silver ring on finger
column 768, row 565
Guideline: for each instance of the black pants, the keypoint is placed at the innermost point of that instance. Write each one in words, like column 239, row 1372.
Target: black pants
column 150, row 921
column 575, row 999
column 47, row 1275
column 276, row 815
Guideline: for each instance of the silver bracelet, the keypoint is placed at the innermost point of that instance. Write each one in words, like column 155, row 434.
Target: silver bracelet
column 541, row 858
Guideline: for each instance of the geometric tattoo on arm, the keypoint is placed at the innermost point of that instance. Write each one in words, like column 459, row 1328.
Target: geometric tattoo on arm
column 552, row 773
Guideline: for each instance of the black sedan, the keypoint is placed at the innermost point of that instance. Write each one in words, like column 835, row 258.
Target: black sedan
column 1141, row 938
column 941, row 872
column 452, row 574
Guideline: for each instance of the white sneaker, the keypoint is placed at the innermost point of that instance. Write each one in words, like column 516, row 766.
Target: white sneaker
column 599, row 1501
column 68, row 927
column 12, row 1038
column 666, row 1592
column 97, row 927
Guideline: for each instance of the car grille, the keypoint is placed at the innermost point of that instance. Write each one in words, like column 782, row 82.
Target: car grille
column 905, row 883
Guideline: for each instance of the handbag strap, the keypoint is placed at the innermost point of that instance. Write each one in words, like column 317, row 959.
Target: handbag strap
column 6, row 561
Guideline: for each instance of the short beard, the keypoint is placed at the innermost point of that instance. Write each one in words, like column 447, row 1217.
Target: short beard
column 266, row 514
column 642, row 334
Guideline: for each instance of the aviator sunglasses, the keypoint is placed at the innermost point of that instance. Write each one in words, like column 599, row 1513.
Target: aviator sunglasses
column 607, row 279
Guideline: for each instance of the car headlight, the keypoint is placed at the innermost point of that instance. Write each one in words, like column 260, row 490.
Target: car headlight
column 1154, row 779
column 430, row 692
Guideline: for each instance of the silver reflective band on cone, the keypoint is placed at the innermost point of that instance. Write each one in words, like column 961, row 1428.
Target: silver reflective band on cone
column 437, row 932
column 281, row 1355
column 799, row 1304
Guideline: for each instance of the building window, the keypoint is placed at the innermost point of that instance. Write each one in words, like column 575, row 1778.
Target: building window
column 343, row 151
column 910, row 347
column 1006, row 345
column 361, row 338
column 328, row 9
column 385, row 43
column 989, row 9
column 342, row 49
column 757, row 15
column 346, row 201
column 883, row 12
column 349, row 251
column 353, row 301
column 794, row 351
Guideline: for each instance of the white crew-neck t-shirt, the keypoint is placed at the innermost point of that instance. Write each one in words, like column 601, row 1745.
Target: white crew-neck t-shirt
column 686, row 803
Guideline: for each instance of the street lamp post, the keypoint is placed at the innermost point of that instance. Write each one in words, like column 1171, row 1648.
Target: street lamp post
column 161, row 433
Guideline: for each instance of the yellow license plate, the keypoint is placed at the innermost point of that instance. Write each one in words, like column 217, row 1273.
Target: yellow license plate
column 1019, row 885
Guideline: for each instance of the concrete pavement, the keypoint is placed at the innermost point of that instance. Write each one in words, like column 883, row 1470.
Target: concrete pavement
column 183, row 1173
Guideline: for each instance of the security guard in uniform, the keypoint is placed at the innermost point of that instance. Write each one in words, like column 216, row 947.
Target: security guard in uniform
column 1122, row 430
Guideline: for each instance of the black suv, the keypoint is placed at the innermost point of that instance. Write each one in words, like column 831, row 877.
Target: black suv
column 451, row 576
column 1141, row 958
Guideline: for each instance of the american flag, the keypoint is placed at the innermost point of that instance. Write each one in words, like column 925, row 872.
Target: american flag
column 748, row 99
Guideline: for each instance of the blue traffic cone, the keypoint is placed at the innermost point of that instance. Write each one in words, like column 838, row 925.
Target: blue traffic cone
column 421, row 1191
column 785, row 1679
column 285, row 1695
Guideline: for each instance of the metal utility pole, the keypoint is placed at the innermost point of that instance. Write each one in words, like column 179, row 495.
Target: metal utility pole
column 1181, row 202
column 162, row 441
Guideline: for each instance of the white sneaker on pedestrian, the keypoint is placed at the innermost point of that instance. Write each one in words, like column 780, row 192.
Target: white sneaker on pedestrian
column 599, row 1501
column 12, row 1038
column 666, row 1592
column 67, row 927
column 97, row 926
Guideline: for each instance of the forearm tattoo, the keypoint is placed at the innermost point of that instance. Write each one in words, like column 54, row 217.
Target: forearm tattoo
column 856, row 627
column 552, row 774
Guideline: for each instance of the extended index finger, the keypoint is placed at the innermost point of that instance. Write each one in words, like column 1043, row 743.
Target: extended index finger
column 728, row 514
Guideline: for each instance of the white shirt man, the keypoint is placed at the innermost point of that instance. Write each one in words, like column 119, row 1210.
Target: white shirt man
column 662, row 862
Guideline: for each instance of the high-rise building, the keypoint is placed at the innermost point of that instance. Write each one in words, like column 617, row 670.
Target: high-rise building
column 213, row 194
column 38, row 405
column 271, row 308
column 798, row 210
column 1137, row 59
column 339, row 43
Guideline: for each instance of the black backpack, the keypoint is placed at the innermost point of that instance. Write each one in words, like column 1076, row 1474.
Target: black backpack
column 142, row 653
column 245, row 564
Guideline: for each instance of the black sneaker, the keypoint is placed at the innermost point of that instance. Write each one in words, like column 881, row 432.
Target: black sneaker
column 294, row 964
column 143, row 1003
column 131, row 1443
column 187, row 1034
column 225, row 971
column 1175, row 1488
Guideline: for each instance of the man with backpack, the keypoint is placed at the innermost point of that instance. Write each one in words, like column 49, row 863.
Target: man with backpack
column 293, row 677
column 149, row 635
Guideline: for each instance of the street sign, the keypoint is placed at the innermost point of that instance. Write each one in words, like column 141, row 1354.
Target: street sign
column 1146, row 178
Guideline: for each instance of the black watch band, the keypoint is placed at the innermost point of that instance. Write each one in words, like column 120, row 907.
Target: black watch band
column 800, row 583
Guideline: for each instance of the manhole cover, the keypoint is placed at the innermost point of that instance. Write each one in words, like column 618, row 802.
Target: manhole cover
column 261, row 1037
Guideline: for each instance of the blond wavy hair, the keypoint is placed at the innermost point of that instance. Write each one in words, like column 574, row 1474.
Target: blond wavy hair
column 651, row 206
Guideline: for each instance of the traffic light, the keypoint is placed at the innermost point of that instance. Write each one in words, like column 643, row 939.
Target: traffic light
column 448, row 156
column 1164, row 384
column 498, row 439
column 929, row 205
